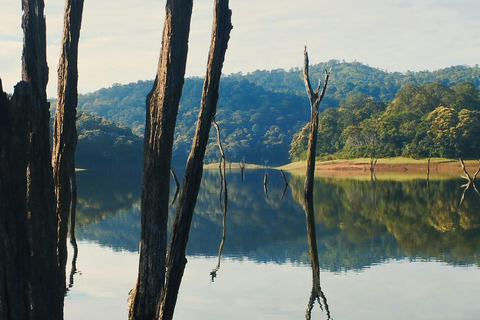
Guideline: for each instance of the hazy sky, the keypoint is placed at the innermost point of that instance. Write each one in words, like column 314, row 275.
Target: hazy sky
column 121, row 39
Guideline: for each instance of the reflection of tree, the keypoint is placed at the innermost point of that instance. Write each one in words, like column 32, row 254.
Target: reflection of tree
column 103, row 194
column 223, row 203
column 317, row 292
column 361, row 223
column 470, row 181
column 73, row 238
column 223, row 199
column 394, row 219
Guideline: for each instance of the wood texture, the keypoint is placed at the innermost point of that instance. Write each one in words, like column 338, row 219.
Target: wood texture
column 176, row 260
column 162, row 109
column 315, row 98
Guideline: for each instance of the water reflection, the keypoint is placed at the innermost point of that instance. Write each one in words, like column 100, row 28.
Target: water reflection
column 223, row 199
column 360, row 223
column 316, row 293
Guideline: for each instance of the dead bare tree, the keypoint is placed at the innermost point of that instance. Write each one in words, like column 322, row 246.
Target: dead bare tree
column 242, row 169
column 223, row 199
column 65, row 131
column 29, row 281
column 315, row 98
column 177, row 187
column 176, row 259
column 162, row 109
column 470, row 181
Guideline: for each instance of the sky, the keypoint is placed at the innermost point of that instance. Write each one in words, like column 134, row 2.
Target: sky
column 121, row 39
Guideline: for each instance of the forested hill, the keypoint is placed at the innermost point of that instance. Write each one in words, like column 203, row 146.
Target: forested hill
column 260, row 112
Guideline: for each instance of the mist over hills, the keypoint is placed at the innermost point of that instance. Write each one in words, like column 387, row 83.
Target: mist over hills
column 260, row 112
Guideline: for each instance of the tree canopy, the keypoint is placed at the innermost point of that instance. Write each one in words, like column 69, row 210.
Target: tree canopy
column 261, row 112
column 421, row 121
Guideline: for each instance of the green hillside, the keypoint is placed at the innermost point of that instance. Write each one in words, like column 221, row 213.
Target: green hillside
column 260, row 112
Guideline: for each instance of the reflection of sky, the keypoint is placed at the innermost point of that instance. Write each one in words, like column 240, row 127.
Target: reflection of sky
column 250, row 290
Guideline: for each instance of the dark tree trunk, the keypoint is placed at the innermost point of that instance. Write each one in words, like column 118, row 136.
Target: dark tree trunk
column 162, row 109
column 47, row 302
column 28, row 226
column 315, row 98
column 176, row 259
column 65, row 131
column 14, row 245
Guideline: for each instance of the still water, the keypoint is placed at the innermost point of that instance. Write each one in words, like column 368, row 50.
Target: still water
column 387, row 249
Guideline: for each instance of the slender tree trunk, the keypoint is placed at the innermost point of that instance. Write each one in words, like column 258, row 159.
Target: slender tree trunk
column 315, row 98
column 65, row 131
column 176, row 259
column 162, row 109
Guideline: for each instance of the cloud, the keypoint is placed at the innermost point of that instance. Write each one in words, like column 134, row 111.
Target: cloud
column 121, row 39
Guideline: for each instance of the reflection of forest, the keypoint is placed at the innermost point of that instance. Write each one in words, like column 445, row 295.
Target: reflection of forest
column 426, row 223
column 359, row 223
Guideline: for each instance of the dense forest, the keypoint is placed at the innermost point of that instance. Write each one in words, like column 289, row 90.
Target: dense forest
column 259, row 113
column 421, row 121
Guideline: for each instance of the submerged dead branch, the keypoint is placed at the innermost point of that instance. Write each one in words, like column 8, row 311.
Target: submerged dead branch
column 470, row 181
column 177, row 184
column 223, row 199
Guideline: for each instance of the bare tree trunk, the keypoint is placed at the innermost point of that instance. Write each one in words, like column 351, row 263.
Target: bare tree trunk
column 176, row 259
column 162, row 109
column 30, row 286
column 315, row 98
column 65, row 131
column 47, row 302
column 14, row 245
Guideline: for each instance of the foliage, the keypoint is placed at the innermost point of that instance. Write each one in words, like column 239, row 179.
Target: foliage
column 103, row 143
column 260, row 112
column 421, row 121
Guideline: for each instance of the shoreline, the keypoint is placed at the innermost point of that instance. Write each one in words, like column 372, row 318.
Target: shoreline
column 397, row 167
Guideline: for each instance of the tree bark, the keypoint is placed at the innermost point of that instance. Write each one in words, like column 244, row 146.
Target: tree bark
column 15, row 269
column 47, row 302
column 65, row 131
column 315, row 98
column 176, row 259
column 162, row 109
column 28, row 272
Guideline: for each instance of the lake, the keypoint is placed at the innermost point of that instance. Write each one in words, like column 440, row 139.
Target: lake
column 387, row 249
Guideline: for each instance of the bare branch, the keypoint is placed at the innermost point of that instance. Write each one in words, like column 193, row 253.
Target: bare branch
column 466, row 176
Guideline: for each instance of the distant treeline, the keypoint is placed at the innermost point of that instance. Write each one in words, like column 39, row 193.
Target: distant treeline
column 259, row 113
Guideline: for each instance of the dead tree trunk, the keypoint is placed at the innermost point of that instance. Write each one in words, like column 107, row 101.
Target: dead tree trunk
column 65, row 131
column 176, row 259
column 15, row 249
column 315, row 98
column 162, row 109
column 47, row 301
column 223, row 198
column 28, row 226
